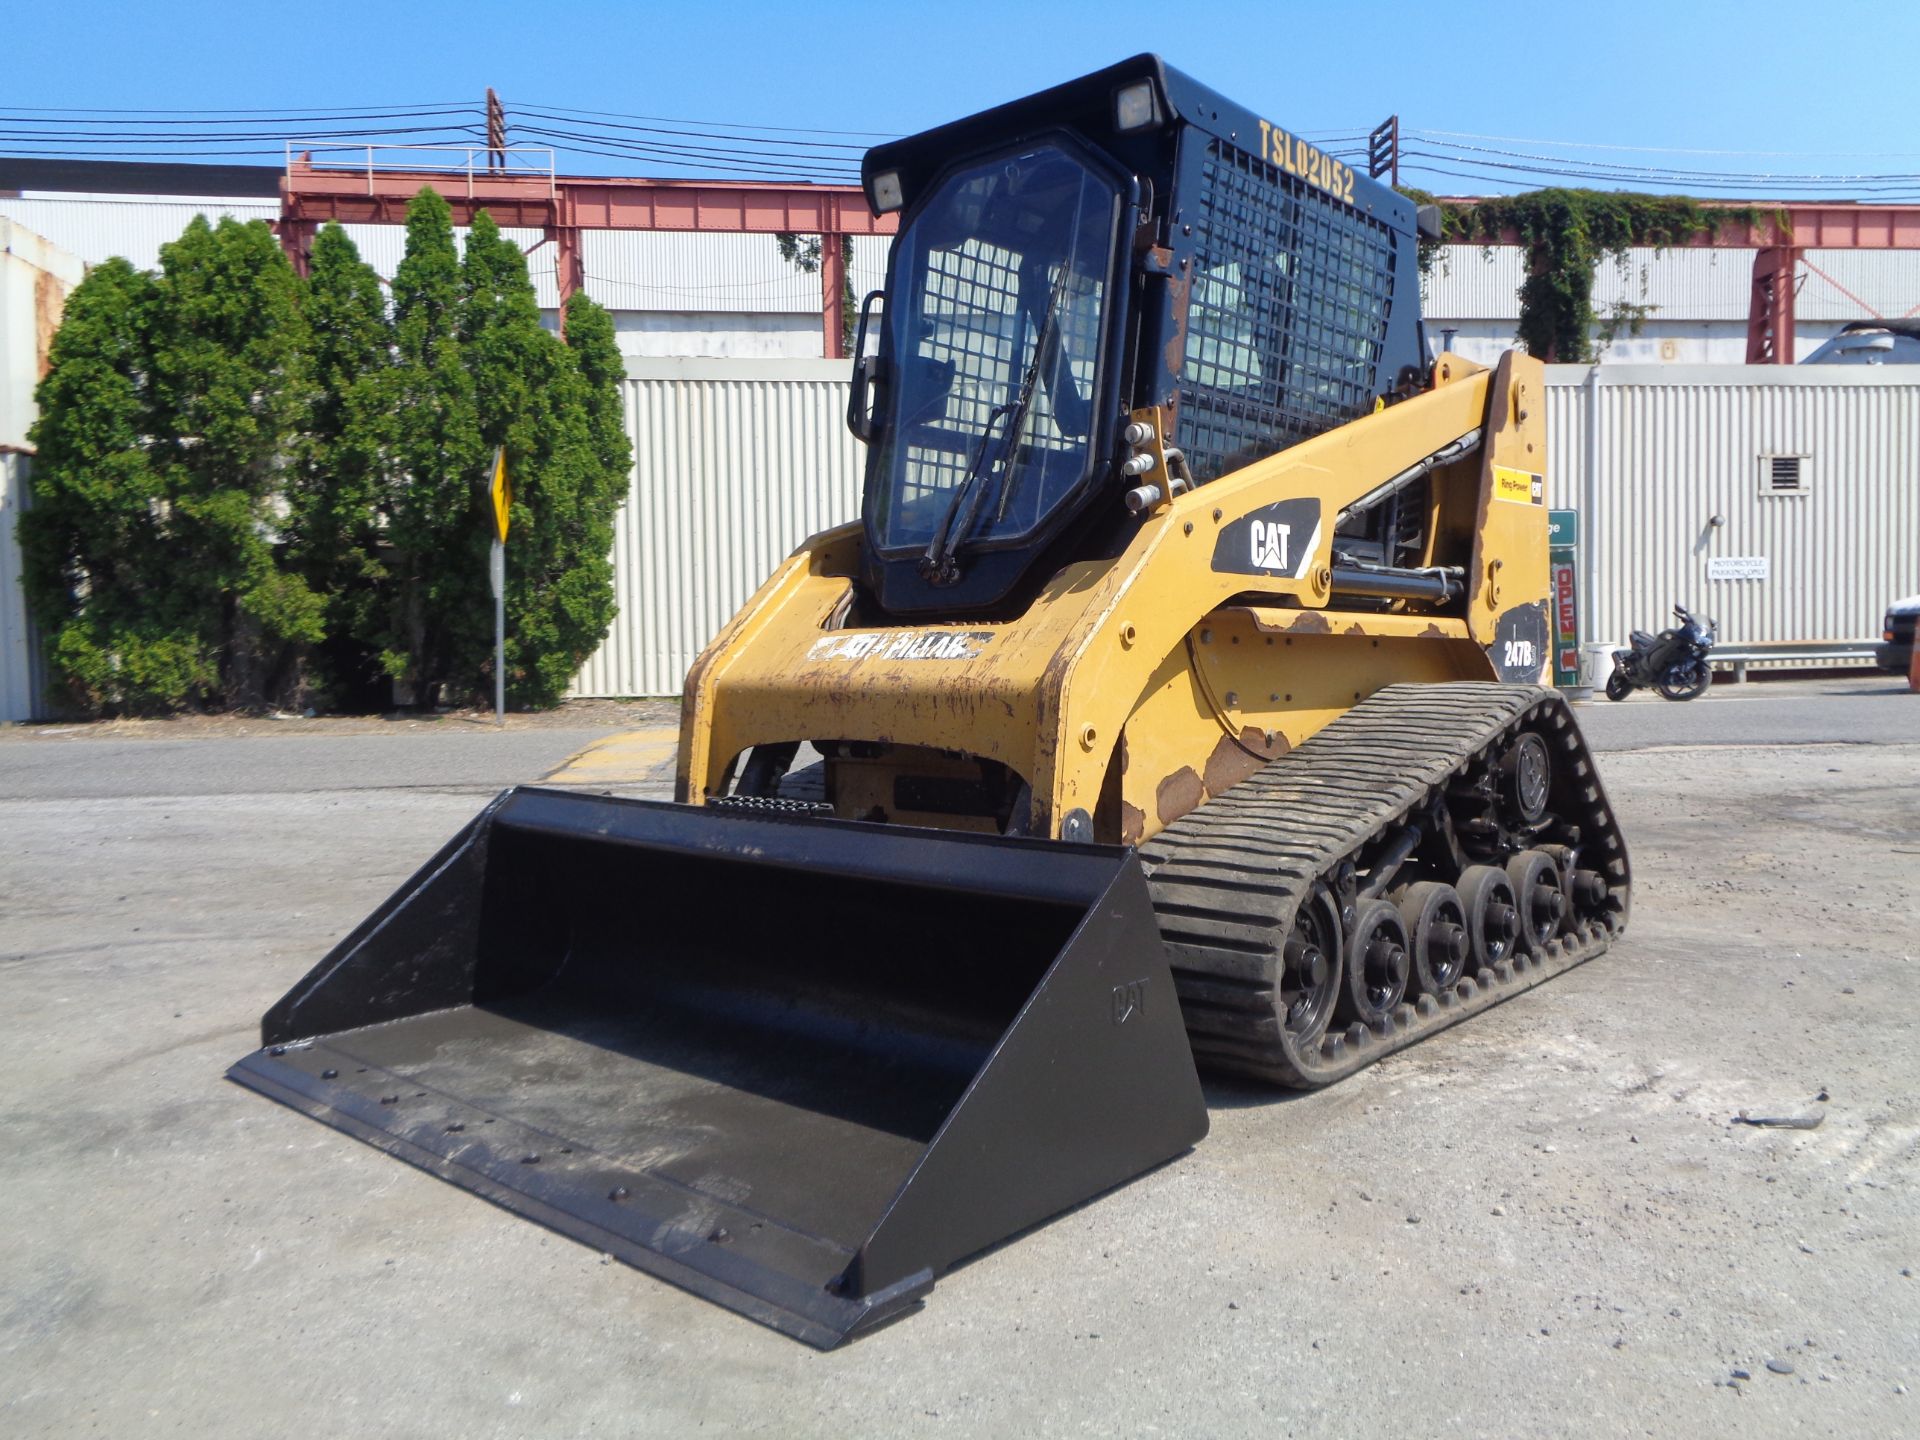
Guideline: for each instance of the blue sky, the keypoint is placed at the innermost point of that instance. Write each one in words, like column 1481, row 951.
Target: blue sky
column 1815, row 81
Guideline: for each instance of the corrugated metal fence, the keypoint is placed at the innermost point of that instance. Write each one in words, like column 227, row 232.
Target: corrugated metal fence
column 1674, row 447
column 737, row 461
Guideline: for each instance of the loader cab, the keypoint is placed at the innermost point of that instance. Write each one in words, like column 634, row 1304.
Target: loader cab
column 1128, row 240
column 994, row 387
column 1004, row 286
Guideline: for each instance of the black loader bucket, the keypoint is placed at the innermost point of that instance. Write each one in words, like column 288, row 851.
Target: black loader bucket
column 798, row 1066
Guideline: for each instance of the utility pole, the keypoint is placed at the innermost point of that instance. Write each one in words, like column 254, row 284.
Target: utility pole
column 496, row 133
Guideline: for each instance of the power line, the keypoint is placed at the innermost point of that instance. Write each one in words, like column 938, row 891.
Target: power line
column 27, row 118
column 735, row 124
column 670, row 146
column 1663, row 173
column 348, row 110
column 1903, row 190
column 684, row 157
column 84, row 138
column 1669, row 149
column 1507, row 174
column 28, row 152
column 805, row 158
column 809, row 145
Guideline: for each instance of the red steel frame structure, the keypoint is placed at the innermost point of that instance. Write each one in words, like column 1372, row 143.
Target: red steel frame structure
column 563, row 207
column 1778, row 244
column 1777, row 240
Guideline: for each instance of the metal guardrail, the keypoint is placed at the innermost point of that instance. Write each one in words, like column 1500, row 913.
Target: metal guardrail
column 481, row 162
column 1805, row 652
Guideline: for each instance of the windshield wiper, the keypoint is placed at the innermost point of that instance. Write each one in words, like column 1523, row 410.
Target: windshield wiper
column 939, row 566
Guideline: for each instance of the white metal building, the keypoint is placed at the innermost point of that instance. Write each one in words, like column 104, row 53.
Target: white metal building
column 1696, row 300
column 670, row 294
column 35, row 277
column 710, row 296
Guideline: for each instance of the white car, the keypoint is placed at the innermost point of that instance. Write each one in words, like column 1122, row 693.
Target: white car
column 1871, row 342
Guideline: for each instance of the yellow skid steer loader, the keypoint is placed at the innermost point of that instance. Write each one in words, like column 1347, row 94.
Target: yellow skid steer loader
column 1174, row 698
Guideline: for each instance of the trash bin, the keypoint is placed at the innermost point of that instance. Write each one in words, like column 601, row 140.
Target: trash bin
column 1596, row 664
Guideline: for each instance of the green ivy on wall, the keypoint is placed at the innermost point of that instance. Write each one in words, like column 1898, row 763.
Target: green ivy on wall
column 1567, row 233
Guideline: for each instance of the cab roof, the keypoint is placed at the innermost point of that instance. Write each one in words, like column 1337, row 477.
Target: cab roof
column 1086, row 107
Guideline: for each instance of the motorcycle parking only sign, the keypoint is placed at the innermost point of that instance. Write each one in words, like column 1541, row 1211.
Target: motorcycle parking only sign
column 1738, row 567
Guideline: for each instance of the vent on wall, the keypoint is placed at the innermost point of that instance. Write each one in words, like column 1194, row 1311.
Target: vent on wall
column 1783, row 474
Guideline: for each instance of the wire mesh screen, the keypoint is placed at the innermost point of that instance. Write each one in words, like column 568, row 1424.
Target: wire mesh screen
column 973, row 321
column 970, row 315
column 1287, row 317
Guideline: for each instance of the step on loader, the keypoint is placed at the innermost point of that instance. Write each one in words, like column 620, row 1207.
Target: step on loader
column 1174, row 698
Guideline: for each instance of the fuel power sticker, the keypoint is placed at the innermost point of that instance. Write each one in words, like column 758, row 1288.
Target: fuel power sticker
column 1520, row 486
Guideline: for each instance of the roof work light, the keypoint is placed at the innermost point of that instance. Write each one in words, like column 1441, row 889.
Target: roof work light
column 1135, row 106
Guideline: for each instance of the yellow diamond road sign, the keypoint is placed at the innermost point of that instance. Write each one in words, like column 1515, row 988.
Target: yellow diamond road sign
column 502, row 494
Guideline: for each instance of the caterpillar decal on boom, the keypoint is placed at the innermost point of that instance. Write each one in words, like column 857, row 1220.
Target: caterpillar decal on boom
column 1174, row 697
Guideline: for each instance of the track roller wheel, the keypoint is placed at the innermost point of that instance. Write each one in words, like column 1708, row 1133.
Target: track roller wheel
column 1376, row 964
column 1437, row 945
column 1566, row 860
column 1526, row 775
column 1493, row 919
column 1310, row 980
column 1590, row 889
column 1539, row 897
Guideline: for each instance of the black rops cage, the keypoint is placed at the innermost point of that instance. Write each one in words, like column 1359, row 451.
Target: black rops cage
column 1293, row 299
column 1279, row 290
column 1260, row 288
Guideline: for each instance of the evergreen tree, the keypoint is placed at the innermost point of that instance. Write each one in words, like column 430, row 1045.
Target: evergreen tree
column 334, row 502
column 229, row 389
column 590, row 336
column 579, row 605
column 432, row 603
column 241, row 473
column 112, row 600
column 569, row 475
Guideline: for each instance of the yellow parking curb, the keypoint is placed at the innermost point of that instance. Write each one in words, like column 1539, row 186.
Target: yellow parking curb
column 630, row 758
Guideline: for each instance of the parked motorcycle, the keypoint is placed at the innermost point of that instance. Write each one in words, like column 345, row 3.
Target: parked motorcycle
column 1674, row 662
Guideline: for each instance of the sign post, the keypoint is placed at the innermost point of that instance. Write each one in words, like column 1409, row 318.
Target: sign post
column 1563, row 535
column 500, row 492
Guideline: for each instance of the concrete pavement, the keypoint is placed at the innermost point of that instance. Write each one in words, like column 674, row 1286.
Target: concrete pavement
column 1540, row 1223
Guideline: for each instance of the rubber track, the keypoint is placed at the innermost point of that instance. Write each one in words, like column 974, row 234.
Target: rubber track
column 1228, row 877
